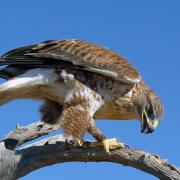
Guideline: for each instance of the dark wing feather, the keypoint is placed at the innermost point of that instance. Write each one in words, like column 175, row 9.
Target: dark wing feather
column 76, row 53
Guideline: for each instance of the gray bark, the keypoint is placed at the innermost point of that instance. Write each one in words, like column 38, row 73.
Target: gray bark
column 16, row 163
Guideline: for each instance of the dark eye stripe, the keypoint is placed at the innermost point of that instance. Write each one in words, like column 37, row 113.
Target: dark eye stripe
column 150, row 113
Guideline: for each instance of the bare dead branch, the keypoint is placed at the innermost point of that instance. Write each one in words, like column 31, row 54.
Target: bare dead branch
column 17, row 163
column 23, row 134
column 49, row 154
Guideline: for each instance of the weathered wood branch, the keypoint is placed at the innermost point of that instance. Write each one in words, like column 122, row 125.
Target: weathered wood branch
column 17, row 163
column 23, row 134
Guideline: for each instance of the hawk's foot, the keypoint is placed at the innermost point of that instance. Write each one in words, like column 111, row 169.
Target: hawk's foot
column 108, row 144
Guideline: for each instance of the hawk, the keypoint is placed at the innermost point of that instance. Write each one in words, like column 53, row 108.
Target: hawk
column 79, row 82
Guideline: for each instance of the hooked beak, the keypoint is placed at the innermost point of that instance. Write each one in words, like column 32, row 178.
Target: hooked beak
column 148, row 126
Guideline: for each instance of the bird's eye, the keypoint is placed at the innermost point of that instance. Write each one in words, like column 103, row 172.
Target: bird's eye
column 150, row 113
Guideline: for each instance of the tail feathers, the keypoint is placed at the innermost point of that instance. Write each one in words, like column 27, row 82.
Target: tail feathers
column 2, row 61
column 21, row 61
column 29, row 61
column 4, row 75
column 13, row 89
column 11, row 72
column 6, row 95
column 8, row 92
column 26, row 86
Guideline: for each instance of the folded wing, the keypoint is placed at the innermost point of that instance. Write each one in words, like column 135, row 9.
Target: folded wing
column 76, row 54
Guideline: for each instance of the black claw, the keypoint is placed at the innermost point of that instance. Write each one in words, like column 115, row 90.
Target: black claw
column 126, row 146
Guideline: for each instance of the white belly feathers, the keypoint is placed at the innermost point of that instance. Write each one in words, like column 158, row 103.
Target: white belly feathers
column 43, row 84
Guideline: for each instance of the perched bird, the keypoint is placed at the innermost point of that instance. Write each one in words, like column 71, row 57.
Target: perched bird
column 79, row 82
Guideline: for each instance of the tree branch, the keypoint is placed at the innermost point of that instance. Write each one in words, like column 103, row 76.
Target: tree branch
column 23, row 134
column 51, row 151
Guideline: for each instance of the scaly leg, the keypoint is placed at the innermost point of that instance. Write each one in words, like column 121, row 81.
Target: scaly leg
column 107, row 144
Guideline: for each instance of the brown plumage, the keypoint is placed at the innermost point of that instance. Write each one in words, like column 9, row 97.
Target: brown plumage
column 79, row 81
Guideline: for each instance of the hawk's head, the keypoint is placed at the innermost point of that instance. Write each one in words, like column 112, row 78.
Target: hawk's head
column 150, row 111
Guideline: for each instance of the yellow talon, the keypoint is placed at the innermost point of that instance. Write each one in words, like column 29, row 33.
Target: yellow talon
column 108, row 144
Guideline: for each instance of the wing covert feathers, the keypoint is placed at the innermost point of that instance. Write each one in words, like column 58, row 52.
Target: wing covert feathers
column 80, row 53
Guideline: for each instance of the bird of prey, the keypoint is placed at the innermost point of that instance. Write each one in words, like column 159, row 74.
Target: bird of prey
column 79, row 82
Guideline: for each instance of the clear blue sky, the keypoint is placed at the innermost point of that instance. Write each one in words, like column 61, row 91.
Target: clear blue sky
column 145, row 32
